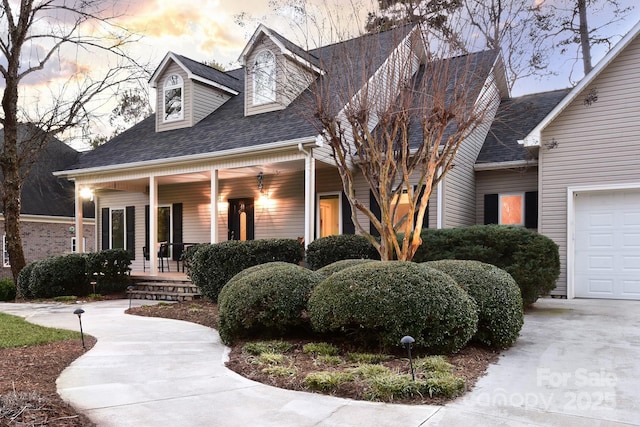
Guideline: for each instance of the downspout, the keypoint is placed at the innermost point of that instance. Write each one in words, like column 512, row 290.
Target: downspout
column 439, row 198
column 309, row 194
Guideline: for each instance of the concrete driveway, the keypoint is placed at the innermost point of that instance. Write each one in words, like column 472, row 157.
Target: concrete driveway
column 575, row 364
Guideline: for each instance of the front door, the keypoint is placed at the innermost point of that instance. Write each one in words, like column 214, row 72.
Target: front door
column 241, row 219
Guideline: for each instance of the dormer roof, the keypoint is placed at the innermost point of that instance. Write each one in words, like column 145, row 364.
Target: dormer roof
column 199, row 72
column 287, row 48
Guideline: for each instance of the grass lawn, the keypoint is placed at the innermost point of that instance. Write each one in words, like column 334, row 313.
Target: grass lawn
column 17, row 332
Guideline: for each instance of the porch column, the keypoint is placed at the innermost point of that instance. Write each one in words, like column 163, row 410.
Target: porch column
column 153, row 226
column 309, row 198
column 79, row 220
column 214, row 206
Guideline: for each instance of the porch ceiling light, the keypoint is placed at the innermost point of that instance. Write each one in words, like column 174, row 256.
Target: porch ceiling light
column 86, row 193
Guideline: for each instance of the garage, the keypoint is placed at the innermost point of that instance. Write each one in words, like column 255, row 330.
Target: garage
column 607, row 244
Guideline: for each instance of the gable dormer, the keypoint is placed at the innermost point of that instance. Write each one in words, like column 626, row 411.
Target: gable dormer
column 187, row 91
column 277, row 71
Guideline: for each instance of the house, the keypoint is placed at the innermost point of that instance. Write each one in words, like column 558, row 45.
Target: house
column 47, row 215
column 228, row 156
column 589, row 177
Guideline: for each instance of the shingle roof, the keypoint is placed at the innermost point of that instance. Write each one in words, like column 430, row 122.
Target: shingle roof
column 297, row 50
column 42, row 192
column 227, row 127
column 515, row 118
column 210, row 73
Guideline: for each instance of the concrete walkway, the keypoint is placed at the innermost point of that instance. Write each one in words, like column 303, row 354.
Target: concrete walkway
column 577, row 363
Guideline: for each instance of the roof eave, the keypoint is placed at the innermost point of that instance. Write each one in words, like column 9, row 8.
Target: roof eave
column 173, row 161
column 534, row 137
column 513, row 164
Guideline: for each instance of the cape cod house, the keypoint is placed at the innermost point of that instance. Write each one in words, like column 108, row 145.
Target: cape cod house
column 228, row 156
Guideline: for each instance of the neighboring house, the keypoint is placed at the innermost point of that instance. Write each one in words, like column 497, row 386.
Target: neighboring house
column 47, row 217
column 228, row 156
column 589, row 177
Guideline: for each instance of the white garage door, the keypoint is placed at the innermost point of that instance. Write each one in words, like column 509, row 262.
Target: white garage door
column 607, row 244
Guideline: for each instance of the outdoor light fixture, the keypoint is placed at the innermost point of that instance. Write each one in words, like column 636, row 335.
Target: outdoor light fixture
column 86, row 193
column 78, row 312
column 407, row 342
column 260, row 184
column 129, row 289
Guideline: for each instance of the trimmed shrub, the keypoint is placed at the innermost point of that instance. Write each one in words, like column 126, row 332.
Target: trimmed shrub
column 271, row 300
column 213, row 265
column 57, row 276
column 334, row 267
column 500, row 314
column 380, row 302
column 330, row 249
column 7, row 289
column 530, row 258
column 24, row 277
column 110, row 268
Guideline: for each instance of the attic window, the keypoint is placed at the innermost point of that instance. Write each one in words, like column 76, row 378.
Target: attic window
column 173, row 98
column 264, row 78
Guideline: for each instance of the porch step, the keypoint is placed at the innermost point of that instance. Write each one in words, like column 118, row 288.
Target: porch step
column 166, row 289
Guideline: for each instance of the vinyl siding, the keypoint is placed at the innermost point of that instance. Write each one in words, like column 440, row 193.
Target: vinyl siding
column 187, row 95
column 459, row 184
column 206, row 100
column 503, row 181
column 596, row 145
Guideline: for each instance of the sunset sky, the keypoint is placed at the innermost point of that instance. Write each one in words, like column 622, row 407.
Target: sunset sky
column 205, row 30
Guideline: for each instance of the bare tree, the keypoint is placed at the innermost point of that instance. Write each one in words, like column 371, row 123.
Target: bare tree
column 565, row 23
column 37, row 36
column 396, row 119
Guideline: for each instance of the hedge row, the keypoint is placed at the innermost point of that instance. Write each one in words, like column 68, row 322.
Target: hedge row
column 532, row 259
column 71, row 274
column 212, row 265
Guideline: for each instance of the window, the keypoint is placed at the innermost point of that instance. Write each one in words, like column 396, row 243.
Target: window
column 164, row 224
column 402, row 208
column 173, row 98
column 511, row 209
column 5, row 252
column 329, row 214
column 117, row 228
column 73, row 244
column 264, row 78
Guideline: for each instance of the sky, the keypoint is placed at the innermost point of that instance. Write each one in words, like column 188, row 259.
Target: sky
column 206, row 30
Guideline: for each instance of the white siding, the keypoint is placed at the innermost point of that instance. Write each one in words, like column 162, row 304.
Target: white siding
column 503, row 181
column 596, row 144
column 187, row 96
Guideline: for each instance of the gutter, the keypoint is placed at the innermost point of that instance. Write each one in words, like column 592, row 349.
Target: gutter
column 504, row 165
column 173, row 161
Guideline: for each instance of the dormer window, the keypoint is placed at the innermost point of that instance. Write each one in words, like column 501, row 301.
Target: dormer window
column 264, row 78
column 173, row 98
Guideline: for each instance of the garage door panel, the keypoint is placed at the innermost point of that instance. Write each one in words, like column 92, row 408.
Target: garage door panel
column 607, row 244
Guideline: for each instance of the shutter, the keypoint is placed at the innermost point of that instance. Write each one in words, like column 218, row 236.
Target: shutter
column 131, row 231
column 348, row 226
column 490, row 209
column 177, row 230
column 105, row 228
column 146, row 230
column 531, row 209
column 374, row 207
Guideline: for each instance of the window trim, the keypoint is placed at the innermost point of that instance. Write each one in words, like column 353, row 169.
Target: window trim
column 167, row 87
column 522, row 207
column 5, row 253
column 124, row 226
column 338, row 194
column 273, row 92
column 73, row 245
column 170, row 225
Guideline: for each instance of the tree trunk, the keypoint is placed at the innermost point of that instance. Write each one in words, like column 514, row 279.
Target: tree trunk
column 584, row 36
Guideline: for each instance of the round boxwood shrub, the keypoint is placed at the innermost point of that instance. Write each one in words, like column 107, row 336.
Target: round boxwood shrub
column 59, row 276
column 269, row 300
column 24, row 277
column 330, row 249
column 532, row 259
column 500, row 315
column 334, row 267
column 213, row 265
column 7, row 289
column 380, row 302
